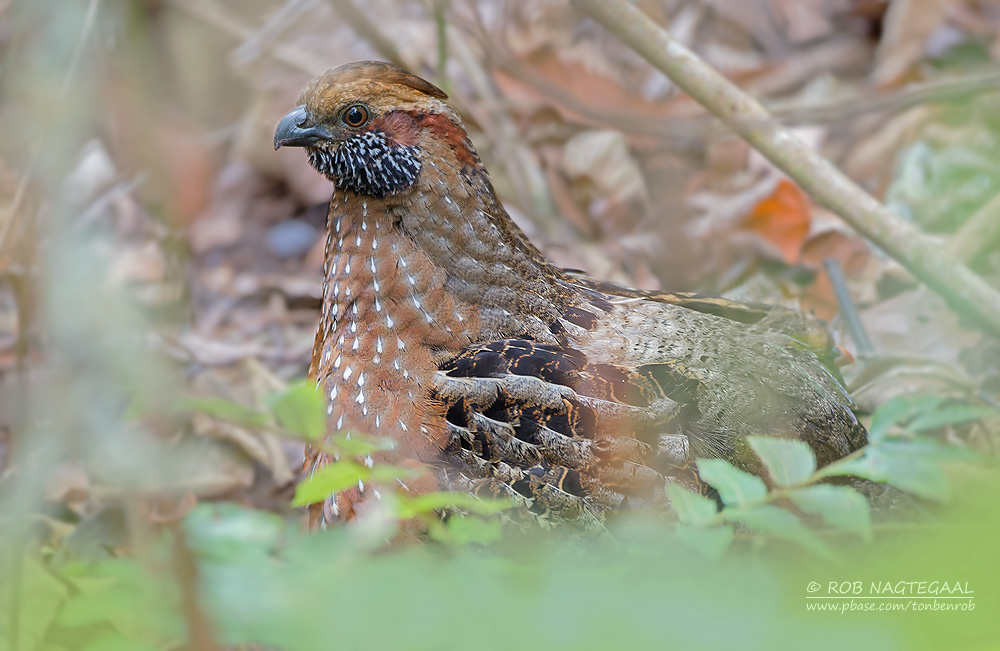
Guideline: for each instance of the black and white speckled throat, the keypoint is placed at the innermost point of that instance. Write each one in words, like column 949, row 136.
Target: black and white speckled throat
column 368, row 164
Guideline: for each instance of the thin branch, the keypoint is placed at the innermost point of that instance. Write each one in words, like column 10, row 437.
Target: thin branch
column 200, row 636
column 848, row 310
column 858, row 104
column 965, row 291
column 88, row 26
column 790, row 112
column 522, row 167
column 22, row 185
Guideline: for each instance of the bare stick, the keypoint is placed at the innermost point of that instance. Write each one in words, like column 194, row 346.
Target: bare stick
column 848, row 310
column 926, row 259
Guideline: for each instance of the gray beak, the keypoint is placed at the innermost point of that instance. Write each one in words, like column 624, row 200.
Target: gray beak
column 292, row 132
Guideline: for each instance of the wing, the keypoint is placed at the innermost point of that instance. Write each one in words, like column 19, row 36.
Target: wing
column 577, row 438
column 540, row 421
column 804, row 329
column 635, row 390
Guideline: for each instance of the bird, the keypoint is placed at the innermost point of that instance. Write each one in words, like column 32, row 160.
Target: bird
column 445, row 329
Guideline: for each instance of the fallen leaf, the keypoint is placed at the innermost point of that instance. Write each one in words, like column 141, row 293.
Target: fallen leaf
column 907, row 26
column 602, row 159
column 782, row 219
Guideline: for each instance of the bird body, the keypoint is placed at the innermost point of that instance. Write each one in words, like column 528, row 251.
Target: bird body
column 445, row 329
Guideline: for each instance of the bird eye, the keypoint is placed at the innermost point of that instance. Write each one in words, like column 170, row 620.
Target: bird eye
column 355, row 116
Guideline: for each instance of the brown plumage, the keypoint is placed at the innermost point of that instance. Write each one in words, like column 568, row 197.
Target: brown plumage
column 444, row 328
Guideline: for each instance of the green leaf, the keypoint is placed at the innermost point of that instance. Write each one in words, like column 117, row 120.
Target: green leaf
column 950, row 415
column 227, row 410
column 220, row 531
column 898, row 411
column 332, row 477
column 691, row 508
column 710, row 541
column 839, row 506
column 134, row 605
column 777, row 522
column 461, row 530
column 788, row 461
column 928, row 449
column 735, row 486
column 38, row 601
column 301, row 409
column 344, row 474
column 921, row 413
column 445, row 499
column 913, row 473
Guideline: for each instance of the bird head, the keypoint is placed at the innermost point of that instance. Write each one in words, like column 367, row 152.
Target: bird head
column 367, row 127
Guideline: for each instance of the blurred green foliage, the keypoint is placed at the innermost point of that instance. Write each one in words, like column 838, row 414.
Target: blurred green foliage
column 950, row 172
column 706, row 582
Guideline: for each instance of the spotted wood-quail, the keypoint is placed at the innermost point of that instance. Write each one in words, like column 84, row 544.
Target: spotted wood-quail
column 444, row 328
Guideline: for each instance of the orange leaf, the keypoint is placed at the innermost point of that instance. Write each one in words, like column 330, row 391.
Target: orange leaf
column 782, row 219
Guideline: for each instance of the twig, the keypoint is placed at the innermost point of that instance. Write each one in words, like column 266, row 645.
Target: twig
column 88, row 25
column 791, row 113
column 441, row 30
column 856, row 105
column 981, row 233
column 848, row 310
column 523, row 169
column 965, row 291
column 200, row 636
column 22, row 185
column 6, row 227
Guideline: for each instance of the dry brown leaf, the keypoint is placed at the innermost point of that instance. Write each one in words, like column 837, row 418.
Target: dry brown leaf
column 291, row 286
column 165, row 509
column 582, row 94
column 222, row 229
column 874, row 379
column 907, row 26
column 262, row 447
column 67, row 483
column 138, row 264
column 918, row 323
column 215, row 352
column 808, row 20
column 191, row 162
column 212, row 468
column 602, row 160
